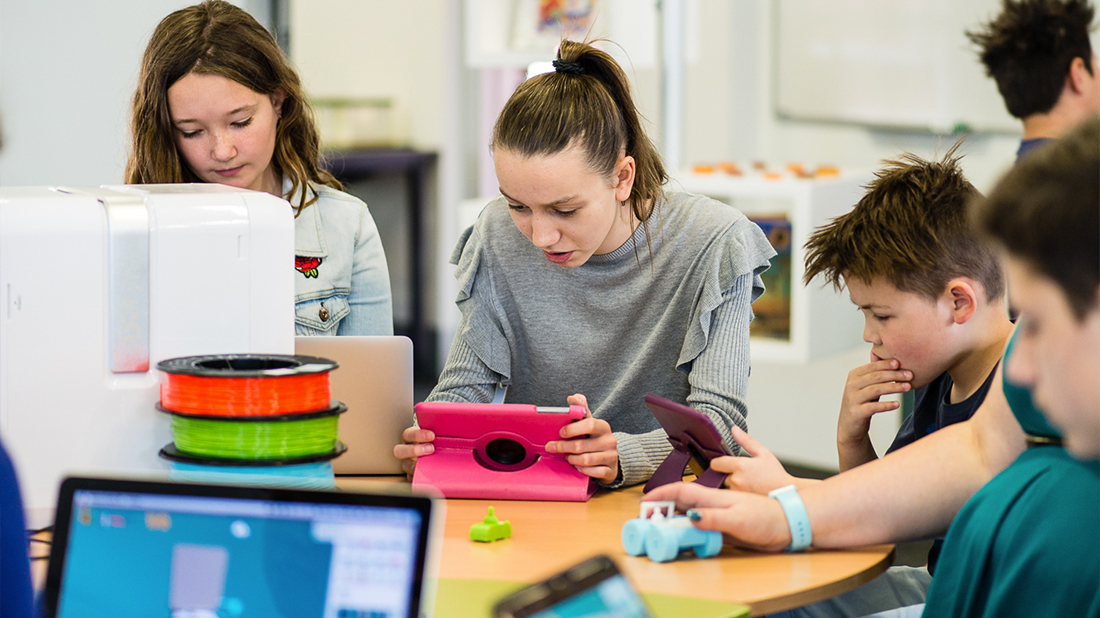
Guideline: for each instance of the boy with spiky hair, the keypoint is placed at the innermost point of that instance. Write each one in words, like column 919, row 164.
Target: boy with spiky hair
column 932, row 296
column 1038, row 52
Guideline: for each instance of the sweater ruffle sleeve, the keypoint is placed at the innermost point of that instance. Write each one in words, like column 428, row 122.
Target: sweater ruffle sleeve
column 480, row 327
column 744, row 250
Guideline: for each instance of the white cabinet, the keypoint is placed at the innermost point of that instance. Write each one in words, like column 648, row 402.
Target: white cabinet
column 822, row 321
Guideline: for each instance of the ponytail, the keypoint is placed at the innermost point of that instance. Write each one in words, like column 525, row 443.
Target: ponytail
column 585, row 102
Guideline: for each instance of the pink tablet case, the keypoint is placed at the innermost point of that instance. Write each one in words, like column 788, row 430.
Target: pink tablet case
column 498, row 451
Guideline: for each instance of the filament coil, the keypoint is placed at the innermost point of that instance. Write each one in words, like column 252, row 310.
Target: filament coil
column 286, row 438
column 245, row 385
column 250, row 410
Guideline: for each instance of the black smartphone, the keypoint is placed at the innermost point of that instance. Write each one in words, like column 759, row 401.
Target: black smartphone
column 594, row 588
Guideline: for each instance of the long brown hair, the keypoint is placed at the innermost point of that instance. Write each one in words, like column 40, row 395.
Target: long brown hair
column 217, row 38
column 586, row 102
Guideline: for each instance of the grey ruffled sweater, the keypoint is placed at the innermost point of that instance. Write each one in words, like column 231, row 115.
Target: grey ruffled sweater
column 669, row 318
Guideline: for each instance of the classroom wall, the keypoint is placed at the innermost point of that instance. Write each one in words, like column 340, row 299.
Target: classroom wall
column 67, row 70
column 372, row 49
column 730, row 93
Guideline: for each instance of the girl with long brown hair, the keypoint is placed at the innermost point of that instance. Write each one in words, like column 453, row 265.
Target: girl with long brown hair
column 218, row 101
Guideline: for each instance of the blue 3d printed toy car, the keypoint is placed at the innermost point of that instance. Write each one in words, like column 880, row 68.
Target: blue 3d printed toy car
column 662, row 535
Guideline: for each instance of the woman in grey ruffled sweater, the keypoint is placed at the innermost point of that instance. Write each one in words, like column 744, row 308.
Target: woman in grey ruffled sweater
column 589, row 282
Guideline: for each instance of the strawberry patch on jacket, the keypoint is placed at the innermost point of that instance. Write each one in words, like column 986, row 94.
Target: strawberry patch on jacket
column 307, row 265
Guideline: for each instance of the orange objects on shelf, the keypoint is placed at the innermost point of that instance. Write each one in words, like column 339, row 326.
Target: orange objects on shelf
column 265, row 396
column 730, row 168
column 760, row 168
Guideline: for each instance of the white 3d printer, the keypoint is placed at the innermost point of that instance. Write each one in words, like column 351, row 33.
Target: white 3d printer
column 99, row 284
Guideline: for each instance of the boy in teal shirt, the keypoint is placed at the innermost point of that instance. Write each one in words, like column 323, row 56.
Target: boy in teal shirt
column 1026, row 539
column 1028, row 543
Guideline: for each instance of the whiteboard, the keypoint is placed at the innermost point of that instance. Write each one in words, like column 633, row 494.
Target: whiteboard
column 892, row 63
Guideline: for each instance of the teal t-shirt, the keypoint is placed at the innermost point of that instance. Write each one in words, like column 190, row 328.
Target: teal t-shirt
column 1028, row 542
column 1019, row 399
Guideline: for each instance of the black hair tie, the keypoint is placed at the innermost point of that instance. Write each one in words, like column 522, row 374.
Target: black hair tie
column 564, row 66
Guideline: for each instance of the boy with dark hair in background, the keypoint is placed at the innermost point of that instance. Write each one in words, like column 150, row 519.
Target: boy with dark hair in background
column 1039, row 53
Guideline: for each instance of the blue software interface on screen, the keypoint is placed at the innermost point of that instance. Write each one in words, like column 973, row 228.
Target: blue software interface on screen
column 614, row 597
column 193, row 557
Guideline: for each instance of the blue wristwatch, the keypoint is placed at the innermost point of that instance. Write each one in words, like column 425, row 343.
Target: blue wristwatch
column 797, row 518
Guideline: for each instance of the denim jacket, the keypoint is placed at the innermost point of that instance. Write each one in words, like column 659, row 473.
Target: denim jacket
column 342, row 284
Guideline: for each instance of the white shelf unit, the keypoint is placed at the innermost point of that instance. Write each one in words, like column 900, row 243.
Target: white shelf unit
column 823, row 321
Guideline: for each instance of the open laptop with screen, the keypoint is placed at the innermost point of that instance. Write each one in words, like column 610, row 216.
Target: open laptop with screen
column 375, row 381
column 125, row 548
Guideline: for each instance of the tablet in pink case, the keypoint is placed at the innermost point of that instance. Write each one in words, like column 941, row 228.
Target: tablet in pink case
column 498, row 451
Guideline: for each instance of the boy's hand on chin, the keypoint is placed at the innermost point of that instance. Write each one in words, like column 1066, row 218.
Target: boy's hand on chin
column 865, row 385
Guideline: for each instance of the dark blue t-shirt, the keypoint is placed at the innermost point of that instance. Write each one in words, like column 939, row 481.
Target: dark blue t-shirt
column 1028, row 145
column 932, row 410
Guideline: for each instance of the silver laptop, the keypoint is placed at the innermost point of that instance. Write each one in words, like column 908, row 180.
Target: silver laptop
column 375, row 381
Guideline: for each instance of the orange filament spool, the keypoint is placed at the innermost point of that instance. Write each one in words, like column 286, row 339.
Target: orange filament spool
column 245, row 385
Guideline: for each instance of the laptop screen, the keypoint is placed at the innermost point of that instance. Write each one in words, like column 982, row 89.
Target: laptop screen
column 125, row 548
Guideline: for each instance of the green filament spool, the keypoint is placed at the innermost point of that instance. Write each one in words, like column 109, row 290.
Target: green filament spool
column 255, row 440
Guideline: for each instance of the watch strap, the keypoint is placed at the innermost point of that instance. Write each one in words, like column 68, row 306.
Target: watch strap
column 797, row 518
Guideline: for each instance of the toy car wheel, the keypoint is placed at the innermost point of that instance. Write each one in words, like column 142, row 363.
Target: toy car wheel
column 661, row 544
column 711, row 546
column 634, row 536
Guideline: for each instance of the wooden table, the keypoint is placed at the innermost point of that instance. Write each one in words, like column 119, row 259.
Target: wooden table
column 547, row 537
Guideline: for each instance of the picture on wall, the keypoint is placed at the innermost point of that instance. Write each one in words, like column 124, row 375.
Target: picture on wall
column 539, row 25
